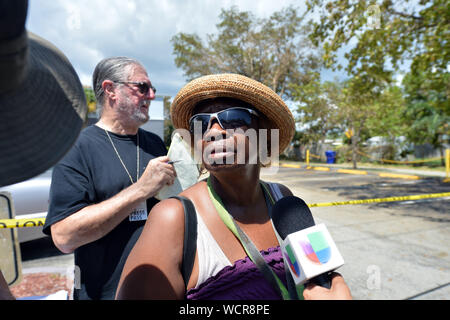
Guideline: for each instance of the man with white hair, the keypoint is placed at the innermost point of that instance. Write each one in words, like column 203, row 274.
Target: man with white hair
column 104, row 187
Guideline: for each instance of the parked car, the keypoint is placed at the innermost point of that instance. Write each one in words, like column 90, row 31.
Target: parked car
column 30, row 200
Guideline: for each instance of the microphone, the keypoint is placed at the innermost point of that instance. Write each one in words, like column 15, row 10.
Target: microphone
column 308, row 249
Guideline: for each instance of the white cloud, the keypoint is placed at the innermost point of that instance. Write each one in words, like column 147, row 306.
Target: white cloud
column 89, row 30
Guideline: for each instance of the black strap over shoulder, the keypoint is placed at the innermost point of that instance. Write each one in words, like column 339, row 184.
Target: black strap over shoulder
column 190, row 238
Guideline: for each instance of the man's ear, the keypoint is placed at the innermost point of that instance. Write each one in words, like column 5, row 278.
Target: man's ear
column 108, row 89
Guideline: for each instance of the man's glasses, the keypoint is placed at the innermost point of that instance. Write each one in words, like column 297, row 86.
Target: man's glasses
column 143, row 87
column 231, row 118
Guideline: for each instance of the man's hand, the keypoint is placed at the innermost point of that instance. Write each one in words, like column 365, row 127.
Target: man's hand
column 157, row 174
column 338, row 291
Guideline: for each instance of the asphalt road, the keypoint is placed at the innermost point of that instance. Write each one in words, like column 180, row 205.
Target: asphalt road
column 392, row 250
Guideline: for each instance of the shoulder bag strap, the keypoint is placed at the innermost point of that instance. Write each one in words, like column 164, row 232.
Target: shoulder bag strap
column 190, row 238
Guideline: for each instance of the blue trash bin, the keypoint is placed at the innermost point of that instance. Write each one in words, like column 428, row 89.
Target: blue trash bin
column 331, row 156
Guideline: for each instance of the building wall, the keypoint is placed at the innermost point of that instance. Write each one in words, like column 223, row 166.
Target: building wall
column 156, row 114
column 155, row 126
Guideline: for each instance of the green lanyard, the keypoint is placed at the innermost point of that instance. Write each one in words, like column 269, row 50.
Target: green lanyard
column 247, row 244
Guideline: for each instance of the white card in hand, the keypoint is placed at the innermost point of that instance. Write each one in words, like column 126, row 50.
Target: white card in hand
column 185, row 167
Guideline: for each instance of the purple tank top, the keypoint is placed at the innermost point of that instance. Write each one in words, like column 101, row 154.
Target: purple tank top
column 242, row 281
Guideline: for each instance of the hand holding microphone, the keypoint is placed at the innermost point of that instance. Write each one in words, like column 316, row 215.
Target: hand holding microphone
column 338, row 291
column 309, row 251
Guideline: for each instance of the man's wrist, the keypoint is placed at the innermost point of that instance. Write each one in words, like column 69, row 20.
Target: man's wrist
column 140, row 192
column 136, row 193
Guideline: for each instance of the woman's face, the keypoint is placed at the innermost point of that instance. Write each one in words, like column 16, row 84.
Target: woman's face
column 230, row 147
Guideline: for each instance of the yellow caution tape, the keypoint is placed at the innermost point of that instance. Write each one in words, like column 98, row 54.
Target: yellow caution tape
column 39, row 222
column 21, row 223
column 391, row 199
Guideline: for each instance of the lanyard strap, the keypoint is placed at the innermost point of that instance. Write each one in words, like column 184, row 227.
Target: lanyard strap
column 121, row 161
column 247, row 244
column 294, row 292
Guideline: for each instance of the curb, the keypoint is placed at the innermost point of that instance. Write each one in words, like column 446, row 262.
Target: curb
column 400, row 176
column 364, row 172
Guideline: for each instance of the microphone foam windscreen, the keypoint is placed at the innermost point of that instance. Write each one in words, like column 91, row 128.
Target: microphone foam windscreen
column 291, row 214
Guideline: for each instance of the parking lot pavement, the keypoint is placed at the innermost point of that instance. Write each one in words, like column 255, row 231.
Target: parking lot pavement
column 45, row 271
column 42, row 256
column 392, row 250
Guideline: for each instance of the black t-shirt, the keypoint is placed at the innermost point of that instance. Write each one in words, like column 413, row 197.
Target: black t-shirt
column 90, row 173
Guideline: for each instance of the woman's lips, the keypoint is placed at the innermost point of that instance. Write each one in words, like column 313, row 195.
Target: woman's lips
column 223, row 154
column 221, row 145
column 217, row 150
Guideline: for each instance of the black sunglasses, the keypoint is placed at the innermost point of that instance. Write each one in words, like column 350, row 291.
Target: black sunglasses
column 143, row 87
column 231, row 118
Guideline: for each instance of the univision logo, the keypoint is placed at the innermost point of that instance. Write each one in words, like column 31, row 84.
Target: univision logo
column 290, row 258
column 316, row 249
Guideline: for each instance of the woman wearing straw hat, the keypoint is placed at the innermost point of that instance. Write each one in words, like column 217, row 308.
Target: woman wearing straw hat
column 223, row 108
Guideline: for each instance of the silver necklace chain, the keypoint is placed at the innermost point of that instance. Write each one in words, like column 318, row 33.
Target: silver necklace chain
column 123, row 164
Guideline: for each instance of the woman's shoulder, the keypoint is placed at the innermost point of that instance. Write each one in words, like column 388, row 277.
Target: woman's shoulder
column 168, row 213
column 195, row 190
column 172, row 210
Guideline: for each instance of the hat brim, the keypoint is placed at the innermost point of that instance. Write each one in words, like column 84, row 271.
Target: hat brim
column 264, row 99
column 41, row 119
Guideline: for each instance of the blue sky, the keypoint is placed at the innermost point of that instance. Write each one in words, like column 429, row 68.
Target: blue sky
column 88, row 31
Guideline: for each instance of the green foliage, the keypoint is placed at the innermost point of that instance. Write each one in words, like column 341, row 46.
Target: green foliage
column 168, row 126
column 414, row 32
column 90, row 96
column 387, row 120
column 274, row 51
column 318, row 108
column 331, row 107
column 417, row 32
column 427, row 114
column 90, row 99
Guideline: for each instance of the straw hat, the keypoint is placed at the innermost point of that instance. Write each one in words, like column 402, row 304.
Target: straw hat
column 264, row 99
column 42, row 102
